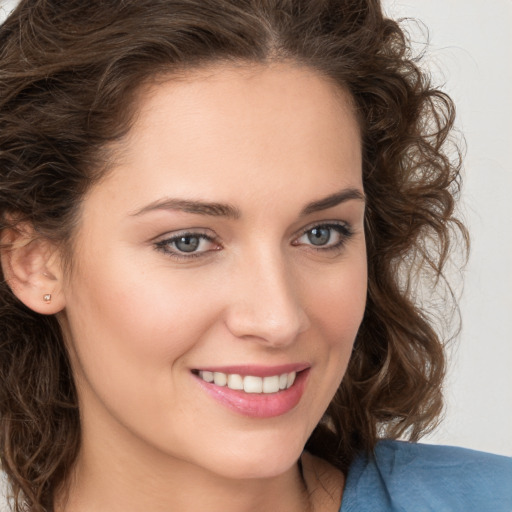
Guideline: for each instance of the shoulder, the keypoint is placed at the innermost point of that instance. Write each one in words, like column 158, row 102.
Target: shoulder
column 402, row 476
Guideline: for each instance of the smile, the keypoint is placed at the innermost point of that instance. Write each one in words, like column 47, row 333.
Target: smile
column 255, row 391
column 250, row 383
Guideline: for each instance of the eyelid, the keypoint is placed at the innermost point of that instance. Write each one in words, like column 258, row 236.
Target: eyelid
column 201, row 232
column 163, row 242
column 323, row 223
column 343, row 228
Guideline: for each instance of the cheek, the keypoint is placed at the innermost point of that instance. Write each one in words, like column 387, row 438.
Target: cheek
column 130, row 335
column 134, row 321
column 337, row 306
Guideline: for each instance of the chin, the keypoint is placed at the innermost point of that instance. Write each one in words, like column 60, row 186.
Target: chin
column 258, row 456
column 259, row 467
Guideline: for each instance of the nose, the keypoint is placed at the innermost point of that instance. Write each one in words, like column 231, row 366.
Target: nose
column 265, row 304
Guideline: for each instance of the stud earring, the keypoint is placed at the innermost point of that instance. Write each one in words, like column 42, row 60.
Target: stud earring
column 47, row 298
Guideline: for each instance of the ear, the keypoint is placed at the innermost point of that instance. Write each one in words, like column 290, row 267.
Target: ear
column 31, row 266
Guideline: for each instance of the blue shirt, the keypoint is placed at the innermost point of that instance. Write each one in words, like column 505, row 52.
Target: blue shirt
column 409, row 477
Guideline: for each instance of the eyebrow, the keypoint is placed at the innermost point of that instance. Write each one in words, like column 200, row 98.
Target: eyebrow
column 230, row 211
column 333, row 200
column 197, row 207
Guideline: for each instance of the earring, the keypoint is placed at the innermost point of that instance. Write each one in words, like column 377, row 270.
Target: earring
column 47, row 298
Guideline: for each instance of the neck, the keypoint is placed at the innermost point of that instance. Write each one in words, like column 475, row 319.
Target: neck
column 117, row 471
column 114, row 479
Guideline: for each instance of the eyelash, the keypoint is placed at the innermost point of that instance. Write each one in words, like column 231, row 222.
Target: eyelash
column 164, row 245
column 341, row 228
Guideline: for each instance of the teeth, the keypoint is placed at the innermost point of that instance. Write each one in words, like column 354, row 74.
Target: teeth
column 250, row 383
column 235, row 382
column 253, row 384
column 207, row 376
column 271, row 384
column 220, row 379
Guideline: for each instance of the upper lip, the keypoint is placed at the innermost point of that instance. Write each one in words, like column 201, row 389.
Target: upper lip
column 256, row 370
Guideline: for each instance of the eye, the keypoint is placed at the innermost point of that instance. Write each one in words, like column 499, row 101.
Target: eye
column 325, row 236
column 187, row 245
column 319, row 236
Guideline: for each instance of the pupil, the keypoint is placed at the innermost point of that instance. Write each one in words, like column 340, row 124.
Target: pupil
column 319, row 236
column 187, row 243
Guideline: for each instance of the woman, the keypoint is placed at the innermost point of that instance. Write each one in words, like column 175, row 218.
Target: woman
column 212, row 213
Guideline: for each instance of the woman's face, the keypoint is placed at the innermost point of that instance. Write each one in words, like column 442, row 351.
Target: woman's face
column 227, row 242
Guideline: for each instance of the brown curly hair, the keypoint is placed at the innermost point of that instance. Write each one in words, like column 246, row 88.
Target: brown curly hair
column 69, row 73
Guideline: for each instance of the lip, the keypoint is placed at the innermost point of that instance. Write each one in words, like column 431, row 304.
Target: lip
column 258, row 405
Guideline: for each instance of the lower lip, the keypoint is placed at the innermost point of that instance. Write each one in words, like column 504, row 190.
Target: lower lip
column 258, row 405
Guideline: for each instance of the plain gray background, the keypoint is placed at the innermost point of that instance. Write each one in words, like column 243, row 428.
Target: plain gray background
column 471, row 53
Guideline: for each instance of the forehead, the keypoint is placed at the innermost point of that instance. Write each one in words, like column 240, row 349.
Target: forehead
column 278, row 125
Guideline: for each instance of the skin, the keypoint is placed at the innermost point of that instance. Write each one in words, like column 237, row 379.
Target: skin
column 266, row 140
